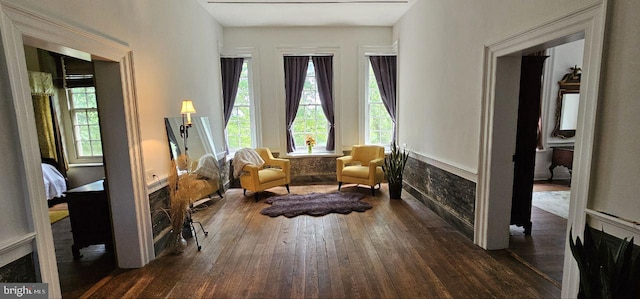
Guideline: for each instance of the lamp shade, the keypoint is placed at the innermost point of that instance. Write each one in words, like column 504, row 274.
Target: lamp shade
column 187, row 107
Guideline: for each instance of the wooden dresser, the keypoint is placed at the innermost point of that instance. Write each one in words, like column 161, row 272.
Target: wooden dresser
column 90, row 216
column 562, row 156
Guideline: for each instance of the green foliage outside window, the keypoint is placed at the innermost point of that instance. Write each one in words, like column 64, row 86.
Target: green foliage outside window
column 380, row 124
column 239, row 126
column 86, row 124
column 310, row 119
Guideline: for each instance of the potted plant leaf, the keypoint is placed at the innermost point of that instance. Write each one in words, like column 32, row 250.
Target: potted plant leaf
column 606, row 270
column 393, row 168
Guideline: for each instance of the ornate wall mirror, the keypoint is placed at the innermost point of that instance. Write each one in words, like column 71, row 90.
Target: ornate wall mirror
column 567, row 104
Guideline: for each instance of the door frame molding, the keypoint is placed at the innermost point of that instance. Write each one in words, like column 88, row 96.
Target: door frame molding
column 492, row 207
column 134, row 244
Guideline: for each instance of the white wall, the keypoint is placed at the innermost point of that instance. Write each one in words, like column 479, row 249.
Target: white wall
column 441, row 48
column 615, row 183
column 440, row 86
column 175, row 56
column 13, row 214
column 268, row 41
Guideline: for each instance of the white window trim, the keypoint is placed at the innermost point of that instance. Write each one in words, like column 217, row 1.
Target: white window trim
column 337, row 96
column 363, row 90
column 253, row 66
column 70, row 150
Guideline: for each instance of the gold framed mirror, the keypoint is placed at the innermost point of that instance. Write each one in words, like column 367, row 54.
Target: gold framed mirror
column 567, row 104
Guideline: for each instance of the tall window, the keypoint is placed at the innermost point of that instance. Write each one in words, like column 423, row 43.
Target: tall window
column 83, row 109
column 379, row 126
column 239, row 128
column 310, row 119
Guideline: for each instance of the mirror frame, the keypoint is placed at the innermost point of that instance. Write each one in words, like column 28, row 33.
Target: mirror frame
column 570, row 83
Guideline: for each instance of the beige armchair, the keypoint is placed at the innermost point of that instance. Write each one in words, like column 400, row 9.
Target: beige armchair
column 274, row 172
column 364, row 166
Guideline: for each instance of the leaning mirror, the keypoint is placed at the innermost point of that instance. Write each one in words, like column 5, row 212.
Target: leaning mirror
column 191, row 146
column 567, row 104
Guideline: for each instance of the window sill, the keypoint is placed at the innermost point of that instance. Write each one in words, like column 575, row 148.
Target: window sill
column 304, row 154
column 85, row 165
column 298, row 154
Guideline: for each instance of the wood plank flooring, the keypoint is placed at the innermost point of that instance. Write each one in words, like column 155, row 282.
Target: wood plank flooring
column 397, row 249
column 79, row 275
column 544, row 249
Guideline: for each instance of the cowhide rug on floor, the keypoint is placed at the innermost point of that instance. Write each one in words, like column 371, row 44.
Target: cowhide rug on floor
column 315, row 204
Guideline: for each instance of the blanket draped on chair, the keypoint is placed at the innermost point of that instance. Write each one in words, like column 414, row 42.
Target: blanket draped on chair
column 244, row 157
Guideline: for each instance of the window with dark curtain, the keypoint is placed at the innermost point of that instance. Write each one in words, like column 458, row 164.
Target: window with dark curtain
column 231, row 68
column 295, row 71
column 324, row 78
column 384, row 68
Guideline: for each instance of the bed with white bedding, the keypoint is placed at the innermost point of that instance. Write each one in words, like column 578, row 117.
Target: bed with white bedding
column 55, row 185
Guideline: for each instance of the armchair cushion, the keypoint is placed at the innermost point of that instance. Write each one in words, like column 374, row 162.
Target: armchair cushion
column 270, row 174
column 201, row 188
column 362, row 172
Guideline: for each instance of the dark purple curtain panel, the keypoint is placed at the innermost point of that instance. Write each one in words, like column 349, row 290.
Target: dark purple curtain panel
column 231, row 69
column 384, row 68
column 324, row 77
column 295, row 72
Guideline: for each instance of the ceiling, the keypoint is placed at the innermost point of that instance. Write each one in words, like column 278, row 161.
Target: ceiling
column 247, row 13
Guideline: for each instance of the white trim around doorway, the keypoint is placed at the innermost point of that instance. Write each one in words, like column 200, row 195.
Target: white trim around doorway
column 492, row 199
column 17, row 26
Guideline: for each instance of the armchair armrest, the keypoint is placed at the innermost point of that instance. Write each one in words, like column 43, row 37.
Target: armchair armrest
column 373, row 164
column 340, row 163
column 284, row 164
column 253, row 173
column 377, row 162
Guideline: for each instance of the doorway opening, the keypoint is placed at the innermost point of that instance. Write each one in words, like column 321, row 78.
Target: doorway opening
column 546, row 194
column 69, row 135
column 121, row 143
column 498, row 123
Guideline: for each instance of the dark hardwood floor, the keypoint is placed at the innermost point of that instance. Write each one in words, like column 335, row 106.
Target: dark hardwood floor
column 397, row 249
column 78, row 276
column 544, row 248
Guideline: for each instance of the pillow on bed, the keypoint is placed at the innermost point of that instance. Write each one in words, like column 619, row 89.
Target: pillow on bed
column 207, row 167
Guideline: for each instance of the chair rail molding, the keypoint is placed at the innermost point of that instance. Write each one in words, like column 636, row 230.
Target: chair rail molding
column 489, row 233
column 461, row 171
column 16, row 248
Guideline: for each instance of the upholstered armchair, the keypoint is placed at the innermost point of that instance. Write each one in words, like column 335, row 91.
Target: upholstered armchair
column 363, row 166
column 206, row 180
column 274, row 172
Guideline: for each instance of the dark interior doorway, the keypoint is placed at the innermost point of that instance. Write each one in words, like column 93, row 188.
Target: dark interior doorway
column 70, row 92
